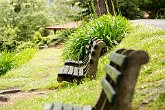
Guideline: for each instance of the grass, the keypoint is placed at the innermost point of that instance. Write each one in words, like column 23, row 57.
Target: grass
column 109, row 28
column 41, row 72
column 36, row 74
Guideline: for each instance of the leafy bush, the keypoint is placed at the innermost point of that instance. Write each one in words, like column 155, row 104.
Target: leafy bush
column 6, row 62
column 130, row 9
column 39, row 40
column 109, row 28
column 59, row 37
column 8, row 38
column 9, row 60
column 26, row 45
column 23, row 56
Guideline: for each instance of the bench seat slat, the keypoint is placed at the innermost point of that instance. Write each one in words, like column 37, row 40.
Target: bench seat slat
column 48, row 106
column 108, row 89
column 61, row 70
column 66, row 68
column 81, row 71
column 118, row 59
column 71, row 69
column 76, row 107
column 87, row 107
column 57, row 106
column 67, row 107
column 112, row 72
column 75, row 73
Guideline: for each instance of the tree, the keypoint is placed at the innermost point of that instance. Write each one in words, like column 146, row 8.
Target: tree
column 105, row 6
column 27, row 16
column 99, row 7
column 155, row 8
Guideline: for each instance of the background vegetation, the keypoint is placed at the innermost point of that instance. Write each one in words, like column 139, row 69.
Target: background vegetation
column 109, row 28
column 23, row 25
column 41, row 73
column 131, row 9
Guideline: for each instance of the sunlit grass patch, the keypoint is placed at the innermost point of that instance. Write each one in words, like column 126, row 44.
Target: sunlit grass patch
column 39, row 73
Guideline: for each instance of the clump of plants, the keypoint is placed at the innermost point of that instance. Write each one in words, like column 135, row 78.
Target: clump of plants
column 9, row 60
column 6, row 59
column 109, row 28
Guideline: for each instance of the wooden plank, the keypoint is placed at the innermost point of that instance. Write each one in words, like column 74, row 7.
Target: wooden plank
column 90, row 59
column 48, row 106
column 87, row 107
column 76, row 107
column 90, row 42
column 108, row 89
column 68, row 61
column 94, row 45
column 87, row 52
column 113, row 73
column 118, row 59
column 80, row 62
column 80, row 72
column 61, row 70
column 70, row 72
column 92, row 51
column 66, row 69
column 57, row 106
column 88, row 47
column 75, row 73
column 67, row 107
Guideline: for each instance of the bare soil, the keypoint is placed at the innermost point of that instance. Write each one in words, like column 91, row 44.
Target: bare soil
column 10, row 96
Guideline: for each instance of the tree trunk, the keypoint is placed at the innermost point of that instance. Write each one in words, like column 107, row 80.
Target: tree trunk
column 105, row 6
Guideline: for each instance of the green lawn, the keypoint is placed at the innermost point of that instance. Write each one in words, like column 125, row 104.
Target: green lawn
column 41, row 72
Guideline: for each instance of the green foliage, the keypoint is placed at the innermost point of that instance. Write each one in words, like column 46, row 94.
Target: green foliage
column 39, row 40
column 37, row 37
column 87, row 8
column 109, row 28
column 62, row 11
column 6, row 60
column 26, row 45
column 9, row 60
column 23, row 56
column 155, row 8
column 8, row 38
column 31, row 16
column 130, row 9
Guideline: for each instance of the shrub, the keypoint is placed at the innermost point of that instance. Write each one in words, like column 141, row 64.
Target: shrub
column 6, row 62
column 8, row 38
column 9, row 60
column 109, row 28
column 23, row 56
column 26, row 45
column 37, row 37
column 59, row 37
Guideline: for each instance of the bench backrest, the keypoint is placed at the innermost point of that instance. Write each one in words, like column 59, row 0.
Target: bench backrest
column 93, row 57
column 120, row 80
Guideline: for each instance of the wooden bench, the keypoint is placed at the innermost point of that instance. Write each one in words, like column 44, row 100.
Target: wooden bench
column 77, row 70
column 118, row 85
column 85, row 57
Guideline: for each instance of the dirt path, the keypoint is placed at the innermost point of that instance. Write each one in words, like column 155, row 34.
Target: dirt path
column 10, row 96
column 160, row 23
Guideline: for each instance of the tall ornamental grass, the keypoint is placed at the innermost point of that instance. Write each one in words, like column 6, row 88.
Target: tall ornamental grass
column 6, row 59
column 9, row 60
column 109, row 28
